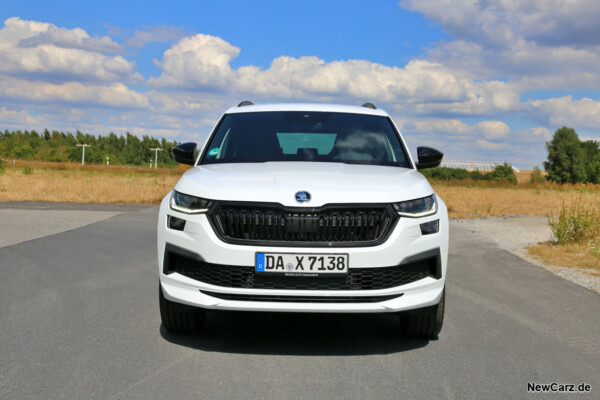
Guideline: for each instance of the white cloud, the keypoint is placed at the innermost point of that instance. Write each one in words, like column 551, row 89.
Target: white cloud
column 119, row 129
column 200, row 61
column 494, row 129
column 30, row 48
column 185, row 103
column 154, row 34
column 492, row 139
column 584, row 113
column 589, row 139
column 455, row 129
column 536, row 134
column 548, row 22
column 487, row 145
column 310, row 77
column 16, row 117
column 486, row 98
column 528, row 66
column 547, row 45
column 114, row 95
column 485, row 140
column 70, row 39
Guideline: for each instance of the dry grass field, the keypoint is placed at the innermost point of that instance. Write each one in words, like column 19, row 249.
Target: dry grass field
column 70, row 182
column 472, row 200
column 74, row 183
column 481, row 200
column 523, row 176
column 570, row 255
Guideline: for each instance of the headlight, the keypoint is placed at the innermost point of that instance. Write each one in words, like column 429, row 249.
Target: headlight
column 417, row 208
column 189, row 204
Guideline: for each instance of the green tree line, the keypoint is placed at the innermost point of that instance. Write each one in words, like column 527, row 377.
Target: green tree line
column 62, row 147
column 500, row 173
column 571, row 160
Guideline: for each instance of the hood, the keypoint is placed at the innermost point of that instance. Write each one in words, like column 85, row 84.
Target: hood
column 278, row 182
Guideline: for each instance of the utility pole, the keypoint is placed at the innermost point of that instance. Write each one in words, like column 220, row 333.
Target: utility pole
column 83, row 146
column 155, row 156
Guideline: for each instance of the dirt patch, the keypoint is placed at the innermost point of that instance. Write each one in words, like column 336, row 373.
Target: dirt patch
column 516, row 233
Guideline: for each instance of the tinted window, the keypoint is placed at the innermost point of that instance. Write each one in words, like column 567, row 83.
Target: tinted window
column 290, row 142
column 306, row 136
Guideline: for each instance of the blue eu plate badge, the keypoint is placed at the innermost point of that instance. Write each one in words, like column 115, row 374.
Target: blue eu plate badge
column 260, row 262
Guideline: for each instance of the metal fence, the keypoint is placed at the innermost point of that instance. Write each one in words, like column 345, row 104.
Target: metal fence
column 470, row 165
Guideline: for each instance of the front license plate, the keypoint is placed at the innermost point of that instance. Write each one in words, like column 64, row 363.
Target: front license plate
column 293, row 264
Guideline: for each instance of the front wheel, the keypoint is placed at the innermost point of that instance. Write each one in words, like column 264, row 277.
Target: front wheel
column 425, row 322
column 179, row 318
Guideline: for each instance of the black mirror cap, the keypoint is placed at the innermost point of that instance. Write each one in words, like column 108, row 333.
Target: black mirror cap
column 185, row 153
column 428, row 157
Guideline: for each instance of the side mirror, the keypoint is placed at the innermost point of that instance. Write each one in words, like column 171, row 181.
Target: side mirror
column 428, row 157
column 185, row 153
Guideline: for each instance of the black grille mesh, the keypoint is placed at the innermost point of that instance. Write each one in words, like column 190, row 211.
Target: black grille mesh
column 251, row 223
column 245, row 277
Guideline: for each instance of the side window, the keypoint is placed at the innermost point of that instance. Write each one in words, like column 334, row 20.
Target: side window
column 224, row 145
column 218, row 149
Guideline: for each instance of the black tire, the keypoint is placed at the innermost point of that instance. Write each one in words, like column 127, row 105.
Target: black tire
column 179, row 318
column 425, row 322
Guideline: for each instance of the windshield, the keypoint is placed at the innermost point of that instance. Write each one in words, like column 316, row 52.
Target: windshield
column 306, row 136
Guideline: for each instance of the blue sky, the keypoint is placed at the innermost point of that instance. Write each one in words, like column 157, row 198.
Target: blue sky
column 487, row 81
column 263, row 30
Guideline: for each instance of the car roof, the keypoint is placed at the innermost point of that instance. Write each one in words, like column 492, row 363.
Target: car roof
column 312, row 107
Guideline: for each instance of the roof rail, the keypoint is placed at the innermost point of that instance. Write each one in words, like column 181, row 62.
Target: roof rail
column 245, row 103
column 369, row 105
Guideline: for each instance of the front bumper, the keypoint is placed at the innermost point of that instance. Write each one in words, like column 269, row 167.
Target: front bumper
column 406, row 241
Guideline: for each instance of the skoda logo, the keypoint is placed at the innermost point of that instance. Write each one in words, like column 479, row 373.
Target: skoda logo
column 302, row 196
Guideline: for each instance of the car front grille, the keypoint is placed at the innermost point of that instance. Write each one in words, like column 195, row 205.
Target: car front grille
column 356, row 279
column 276, row 225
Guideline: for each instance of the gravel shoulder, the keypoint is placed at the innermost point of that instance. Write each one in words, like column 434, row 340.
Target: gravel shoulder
column 515, row 232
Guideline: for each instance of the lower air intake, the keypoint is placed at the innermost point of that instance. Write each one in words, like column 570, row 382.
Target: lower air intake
column 357, row 278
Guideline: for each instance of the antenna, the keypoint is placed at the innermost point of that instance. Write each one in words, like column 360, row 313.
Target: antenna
column 245, row 103
column 83, row 146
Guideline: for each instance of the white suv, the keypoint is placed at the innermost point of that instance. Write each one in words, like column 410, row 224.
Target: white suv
column 303, row 208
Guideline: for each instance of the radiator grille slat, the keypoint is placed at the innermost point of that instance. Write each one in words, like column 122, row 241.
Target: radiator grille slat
column 278, row 225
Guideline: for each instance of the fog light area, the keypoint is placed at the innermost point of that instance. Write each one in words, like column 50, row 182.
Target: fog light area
column 430, row 227
column 177, row 224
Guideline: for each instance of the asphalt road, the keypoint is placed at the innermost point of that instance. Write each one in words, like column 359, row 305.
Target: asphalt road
column 79, row 319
